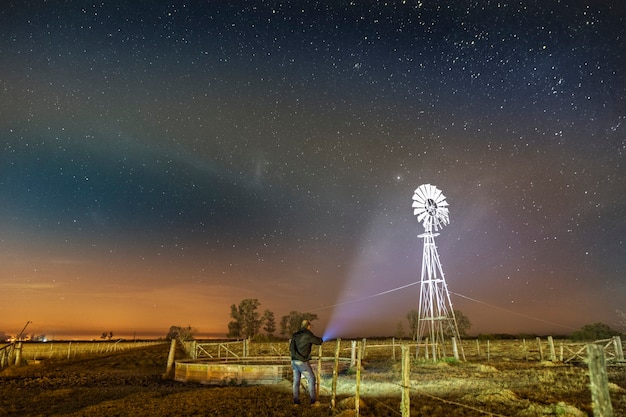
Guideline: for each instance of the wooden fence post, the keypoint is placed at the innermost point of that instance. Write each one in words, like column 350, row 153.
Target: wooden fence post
column 405, row 404
column 393, row 349
column 69, row 349
column 170, row 359
column 319, row 372
column 552, row 351
column 599, row 382
column 333, row 401
column 18, row 354
column 357, row 395
column 434, row 349
column 619, row 352
column 455, row 348
column 540, row 349
column 353, row 354
column 488, row 351
column 363, row 349
column 477, row 348
column 417, row 348
column 193, row 350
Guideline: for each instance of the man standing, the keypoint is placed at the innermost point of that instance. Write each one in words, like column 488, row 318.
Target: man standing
column 300, row 350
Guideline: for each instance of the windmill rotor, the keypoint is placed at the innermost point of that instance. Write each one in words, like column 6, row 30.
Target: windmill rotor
column 430, row 207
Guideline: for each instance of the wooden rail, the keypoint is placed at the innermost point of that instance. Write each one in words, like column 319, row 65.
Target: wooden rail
column 578, row 352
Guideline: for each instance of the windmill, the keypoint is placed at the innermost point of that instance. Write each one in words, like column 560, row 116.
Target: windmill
column 436, row 318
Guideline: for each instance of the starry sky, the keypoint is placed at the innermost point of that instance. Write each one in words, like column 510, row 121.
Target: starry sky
column 161, row 161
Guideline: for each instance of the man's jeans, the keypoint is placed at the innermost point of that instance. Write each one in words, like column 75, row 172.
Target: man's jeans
column 302, row 368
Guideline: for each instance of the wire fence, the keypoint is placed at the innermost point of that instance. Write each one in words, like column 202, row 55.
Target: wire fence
column 17, row 353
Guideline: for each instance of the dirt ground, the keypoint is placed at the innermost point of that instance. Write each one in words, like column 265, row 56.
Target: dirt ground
column 131, row 383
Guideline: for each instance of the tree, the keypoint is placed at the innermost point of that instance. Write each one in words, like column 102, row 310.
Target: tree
column 107, row 336
column 234, row 329
column 399, row 331
column 246, row 322
column 284, row 326
column 180, row 333
column 291, row 323
column 595, row 331
column 269, row 323
column 412, row 316
column 622, row 318
column 462, row 323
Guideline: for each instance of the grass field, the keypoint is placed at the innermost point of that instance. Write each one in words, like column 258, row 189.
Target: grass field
column 510, row 381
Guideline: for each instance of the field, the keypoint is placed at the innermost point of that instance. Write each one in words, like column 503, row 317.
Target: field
column 511, row 381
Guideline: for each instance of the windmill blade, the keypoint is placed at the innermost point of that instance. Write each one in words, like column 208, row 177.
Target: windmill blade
column 419, row 194
column 425, row 189
column 432, row 190
column 437, row 194
column 422, row 216
column 419, row 208
column 443, row 210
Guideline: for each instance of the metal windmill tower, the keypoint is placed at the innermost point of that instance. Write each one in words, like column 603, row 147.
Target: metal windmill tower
column 436, row 318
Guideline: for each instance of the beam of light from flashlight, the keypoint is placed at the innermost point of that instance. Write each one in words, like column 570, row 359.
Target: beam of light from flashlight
column 368, row 297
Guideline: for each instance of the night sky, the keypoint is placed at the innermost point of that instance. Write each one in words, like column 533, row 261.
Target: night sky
column 161, row 161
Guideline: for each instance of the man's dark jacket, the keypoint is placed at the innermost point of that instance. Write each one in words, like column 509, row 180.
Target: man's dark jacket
column 300, row 346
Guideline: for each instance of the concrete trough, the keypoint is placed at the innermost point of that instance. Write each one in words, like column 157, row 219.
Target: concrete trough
column 245, row 371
